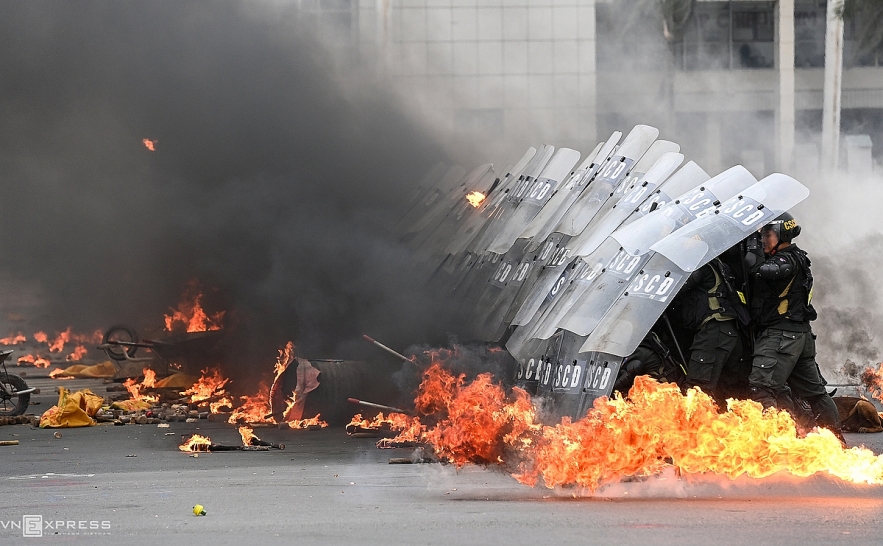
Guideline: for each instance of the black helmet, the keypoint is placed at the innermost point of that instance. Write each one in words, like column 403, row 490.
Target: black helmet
column 785, row 227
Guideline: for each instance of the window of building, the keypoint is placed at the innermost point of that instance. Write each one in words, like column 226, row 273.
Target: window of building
column 726, row 35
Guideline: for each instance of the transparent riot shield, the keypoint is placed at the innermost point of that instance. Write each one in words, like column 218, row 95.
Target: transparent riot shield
column 634, row 313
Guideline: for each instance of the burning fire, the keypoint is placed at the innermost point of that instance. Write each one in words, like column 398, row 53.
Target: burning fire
column 37, row 361
column 254, row 409
column 410, row 427
column 135, row 387
column 475, row 198
column 196, row 443
column 78, row 354
column 13, row 339
column 215, row 407
column 208, row 386
column 149, row 144
column 248, row 435
column 56, row 374
column 873, row 381
column 307, row 423
column 655, row 428
column 191, row 315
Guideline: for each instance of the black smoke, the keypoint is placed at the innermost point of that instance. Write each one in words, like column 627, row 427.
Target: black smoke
column 272, row 184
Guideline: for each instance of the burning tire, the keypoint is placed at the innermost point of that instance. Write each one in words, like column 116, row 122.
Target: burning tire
column 118, row 333
column 13, row 404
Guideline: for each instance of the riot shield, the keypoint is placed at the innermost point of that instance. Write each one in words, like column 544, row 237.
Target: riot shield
column 533, row 197
column 634, row 313
column 541, row 227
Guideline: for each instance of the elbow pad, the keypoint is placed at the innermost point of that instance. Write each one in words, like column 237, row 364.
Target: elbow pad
column 775, row 268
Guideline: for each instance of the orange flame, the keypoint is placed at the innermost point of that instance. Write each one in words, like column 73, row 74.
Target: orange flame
column 248, row 435
column 56, row 374
column 149, row 144
column 208, row 386
column 13, row 339
column 215, row 407
column 37, row 361
column 78, row 354
column 191, row 316
column 135, row 387
column 254, row 409
column 286, row 356
column 41, row 337
column 410, row 427
column 475, row 198
column 196, row 443
column 655, row 428
column 873, row 381
column 306, row 423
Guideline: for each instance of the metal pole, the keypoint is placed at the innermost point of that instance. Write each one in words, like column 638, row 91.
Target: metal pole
column 385, row 348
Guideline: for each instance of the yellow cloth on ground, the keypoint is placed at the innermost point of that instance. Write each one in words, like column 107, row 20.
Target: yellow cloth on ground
column 131, row 405
column 81, row 371
column 73, row 410
column 176, row 381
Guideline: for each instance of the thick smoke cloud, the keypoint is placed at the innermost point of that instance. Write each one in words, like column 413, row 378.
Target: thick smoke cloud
column 272, row 182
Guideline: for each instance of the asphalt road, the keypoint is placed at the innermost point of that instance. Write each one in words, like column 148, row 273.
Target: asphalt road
column 136, row 487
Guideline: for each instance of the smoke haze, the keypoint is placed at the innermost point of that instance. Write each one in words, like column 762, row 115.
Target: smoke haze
column 273, row 183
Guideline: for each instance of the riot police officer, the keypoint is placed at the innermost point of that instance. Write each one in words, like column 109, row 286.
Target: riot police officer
column 712, row 309
column 781, row 309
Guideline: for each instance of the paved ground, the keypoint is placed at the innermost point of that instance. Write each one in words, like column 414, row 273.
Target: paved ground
column 328, row 488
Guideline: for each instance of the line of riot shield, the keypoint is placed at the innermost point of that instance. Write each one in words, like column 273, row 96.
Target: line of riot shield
column 633, row 314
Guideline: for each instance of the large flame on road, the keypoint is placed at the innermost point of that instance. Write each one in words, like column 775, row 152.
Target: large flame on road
column 655, row 428
column 196, row 443
column 210, row 385
column 873, row 380
column 13, row 339
column 38, row 361
column 475, row 198
column 307, row 423
column 253, row 409
column 135, row 388
column 190, row 315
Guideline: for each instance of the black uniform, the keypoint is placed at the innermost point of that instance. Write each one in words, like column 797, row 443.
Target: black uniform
column 785, row 349
column 711, row 308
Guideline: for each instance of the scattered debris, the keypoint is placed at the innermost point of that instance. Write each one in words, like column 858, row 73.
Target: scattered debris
column 8, row 442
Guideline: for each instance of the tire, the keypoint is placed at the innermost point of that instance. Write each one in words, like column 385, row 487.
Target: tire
column 120, row 332
column 13, row 405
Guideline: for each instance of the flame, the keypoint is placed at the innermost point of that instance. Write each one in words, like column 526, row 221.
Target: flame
column 306, row 423
column 208, row 386
column 410, row 427
column 149, row 144
column 655, row 428
column 196, row 443
column 13, row 339
column 873, row 381
column 215, row 407
column 191, row 315
column 475, row 198
column 78, row 354
column 254, row 409
column 289, row 404
column 56, row 374
column 248, row 435
column 135, row 387
column 37, row 361
column 285, row 358
column 57, row 344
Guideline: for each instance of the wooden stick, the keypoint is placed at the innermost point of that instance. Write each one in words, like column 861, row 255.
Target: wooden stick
column 8, row 442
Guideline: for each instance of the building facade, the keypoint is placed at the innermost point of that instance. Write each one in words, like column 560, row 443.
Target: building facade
column 740, row 82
